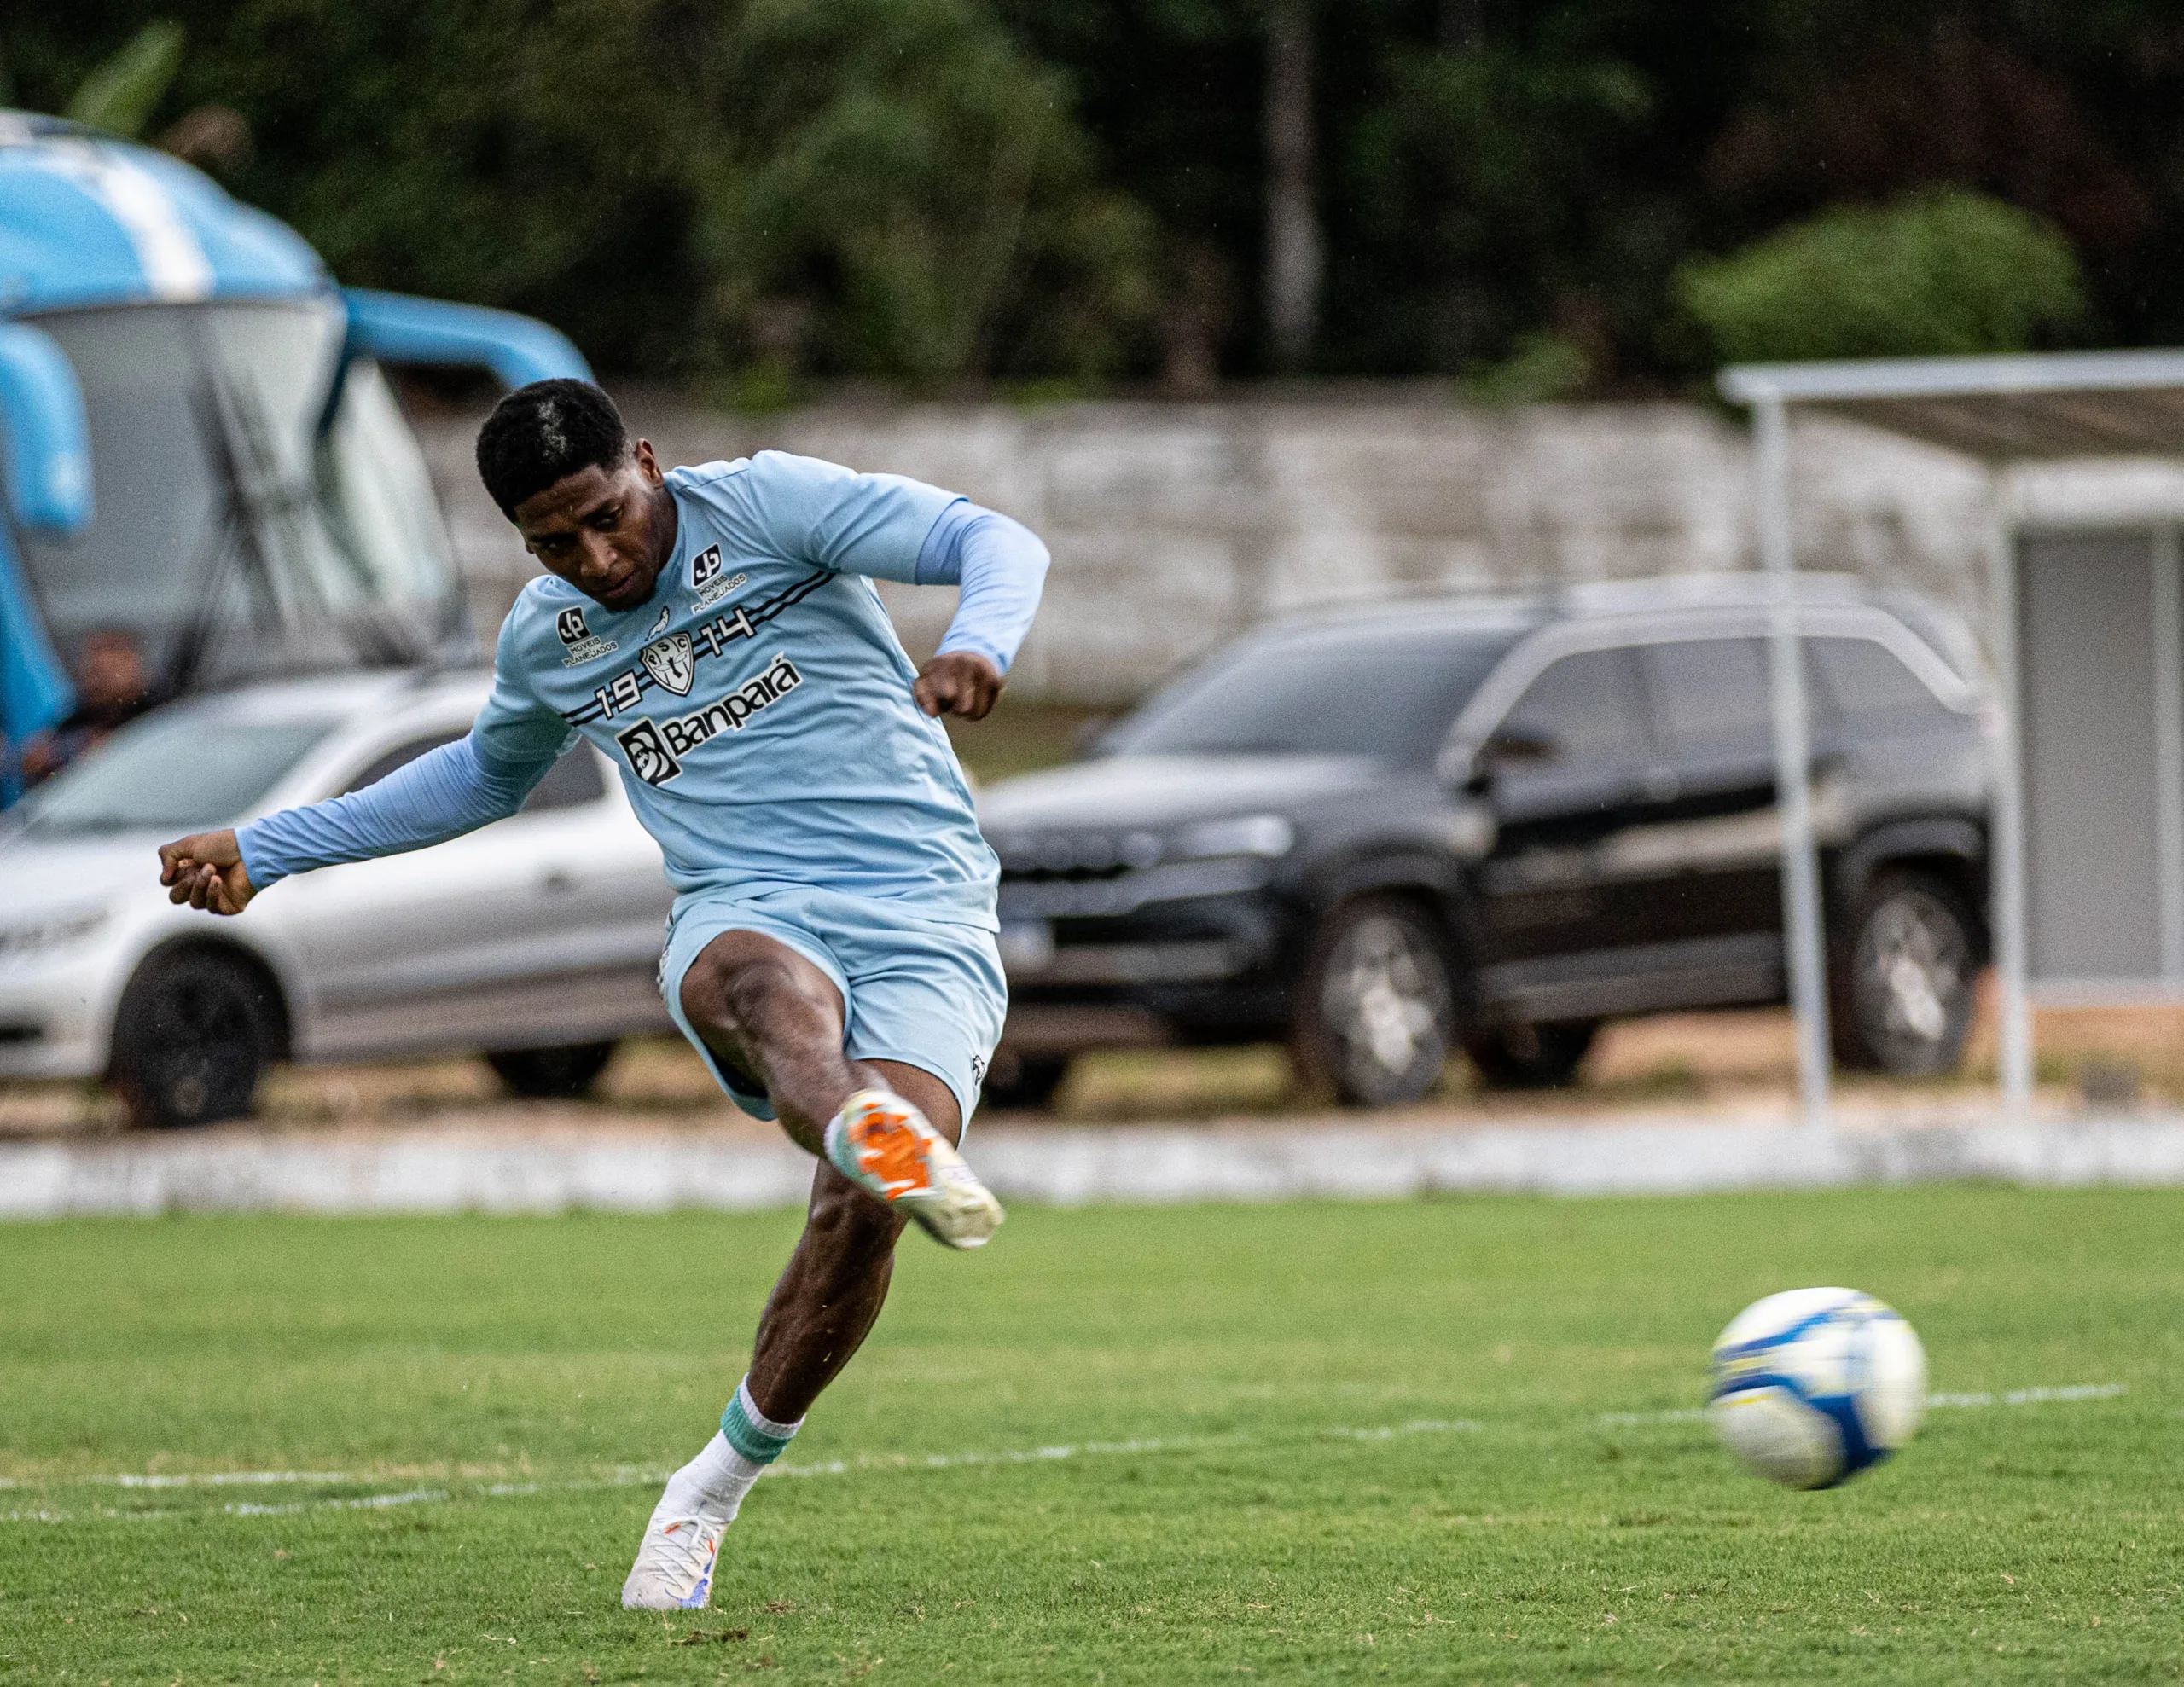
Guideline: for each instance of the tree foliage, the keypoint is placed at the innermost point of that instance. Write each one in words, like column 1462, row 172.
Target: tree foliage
column 120, row 94
column 1938, row 274
column 1480, row 173
column 865, row 188
column 1522, row 193
column 896, row 188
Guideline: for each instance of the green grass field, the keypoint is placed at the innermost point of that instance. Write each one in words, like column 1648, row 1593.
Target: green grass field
column 1439, row 1441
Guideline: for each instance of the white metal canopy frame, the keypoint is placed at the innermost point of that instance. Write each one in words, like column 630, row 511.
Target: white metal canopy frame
column 2004, row 411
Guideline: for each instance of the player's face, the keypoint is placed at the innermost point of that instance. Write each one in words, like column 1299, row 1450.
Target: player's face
column 608, row 532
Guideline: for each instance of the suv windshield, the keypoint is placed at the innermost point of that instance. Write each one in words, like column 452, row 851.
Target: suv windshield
column 243, row 526
column 1383, row 691
column 175, row 772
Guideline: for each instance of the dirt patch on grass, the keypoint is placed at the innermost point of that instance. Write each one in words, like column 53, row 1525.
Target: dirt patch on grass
column 653, row 1080
column 1742, row 1063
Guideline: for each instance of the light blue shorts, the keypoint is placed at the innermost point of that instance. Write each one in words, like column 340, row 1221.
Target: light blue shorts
column 928, row 993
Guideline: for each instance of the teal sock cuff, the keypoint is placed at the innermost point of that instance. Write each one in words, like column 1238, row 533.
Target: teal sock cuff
column 757, row 1437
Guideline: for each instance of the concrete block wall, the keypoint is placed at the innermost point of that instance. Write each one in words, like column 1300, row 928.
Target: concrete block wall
column 1175, row 525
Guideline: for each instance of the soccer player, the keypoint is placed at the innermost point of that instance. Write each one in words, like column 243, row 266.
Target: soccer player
column 831, row 952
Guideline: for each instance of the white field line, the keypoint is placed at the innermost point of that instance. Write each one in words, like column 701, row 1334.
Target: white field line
column 631, row 1476
column 369, row 1503
column 2033, row 1396
column 2075, row 1391
column 227, row 1479
column 944, row 1461
column 1626, row 1420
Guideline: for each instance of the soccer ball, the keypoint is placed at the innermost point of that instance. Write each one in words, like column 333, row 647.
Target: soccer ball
column 1813, row 1385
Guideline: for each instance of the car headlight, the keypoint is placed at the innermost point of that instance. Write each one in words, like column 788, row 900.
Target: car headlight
column 55, row 932
column 1269, row 836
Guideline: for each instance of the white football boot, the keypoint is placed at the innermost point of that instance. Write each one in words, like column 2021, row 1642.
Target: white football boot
column 884, row 1145
column 674, row 1571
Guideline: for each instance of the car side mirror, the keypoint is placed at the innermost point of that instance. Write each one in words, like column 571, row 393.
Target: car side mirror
column 1505, row 750
column 396, row 328
column 48, row 450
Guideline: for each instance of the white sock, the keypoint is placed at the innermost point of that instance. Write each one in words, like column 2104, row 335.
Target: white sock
column 716, row 1480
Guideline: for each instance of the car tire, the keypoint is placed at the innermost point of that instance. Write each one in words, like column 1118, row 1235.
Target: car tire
column 1029, row 1082
column 194, row 1030
column 565, row 1072
column 1531, row 1057
column 1901, row 985
column 1375, row 1018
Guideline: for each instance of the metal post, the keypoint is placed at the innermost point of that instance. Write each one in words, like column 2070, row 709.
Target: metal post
column 2007, row 850
column 2169, row 748
column 1806, row 962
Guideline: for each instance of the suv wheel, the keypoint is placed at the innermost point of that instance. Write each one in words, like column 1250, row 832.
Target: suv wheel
column 1531, row 1057
column 194, row 1030
column 558, row 1074
column 1377, row 1011
column 1027, row 1081
column 1902, row 995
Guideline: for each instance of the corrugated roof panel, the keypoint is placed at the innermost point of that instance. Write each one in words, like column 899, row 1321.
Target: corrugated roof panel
column 2012, row 408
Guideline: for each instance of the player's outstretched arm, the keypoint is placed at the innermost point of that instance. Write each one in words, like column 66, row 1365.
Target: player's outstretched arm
column 441, row 795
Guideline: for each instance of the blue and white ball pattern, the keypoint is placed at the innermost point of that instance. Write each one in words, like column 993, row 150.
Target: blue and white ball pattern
column 1814, row 1385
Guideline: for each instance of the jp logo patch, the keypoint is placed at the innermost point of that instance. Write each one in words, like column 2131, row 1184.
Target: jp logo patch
column 706, row 585
column 582, row 644
column 669, row 661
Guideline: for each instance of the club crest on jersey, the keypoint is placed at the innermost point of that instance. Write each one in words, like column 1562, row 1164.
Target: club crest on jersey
column 669, row 661
column 706, row 585
column 582, row 644
column 656, row 748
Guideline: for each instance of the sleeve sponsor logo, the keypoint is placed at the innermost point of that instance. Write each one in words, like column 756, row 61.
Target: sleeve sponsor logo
column 706, row 585
column 656, row 748
column 582, row 644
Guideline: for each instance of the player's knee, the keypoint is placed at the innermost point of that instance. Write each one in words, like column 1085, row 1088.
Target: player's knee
column 736, row 997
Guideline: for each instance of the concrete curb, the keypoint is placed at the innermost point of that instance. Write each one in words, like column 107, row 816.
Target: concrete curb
column 456, row 1170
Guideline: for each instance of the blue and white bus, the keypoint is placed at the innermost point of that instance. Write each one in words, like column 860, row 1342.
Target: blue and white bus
column 200, row 449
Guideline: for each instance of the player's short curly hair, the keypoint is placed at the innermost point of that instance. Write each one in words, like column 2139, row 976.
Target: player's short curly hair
column 545, row 430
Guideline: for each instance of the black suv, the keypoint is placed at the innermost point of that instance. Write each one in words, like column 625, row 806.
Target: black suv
column 1386, row 835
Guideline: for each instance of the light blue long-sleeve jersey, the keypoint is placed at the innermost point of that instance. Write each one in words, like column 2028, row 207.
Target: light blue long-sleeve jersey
column 757, row 704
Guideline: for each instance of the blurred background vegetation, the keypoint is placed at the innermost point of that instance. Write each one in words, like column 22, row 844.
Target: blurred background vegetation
column 1536, row 198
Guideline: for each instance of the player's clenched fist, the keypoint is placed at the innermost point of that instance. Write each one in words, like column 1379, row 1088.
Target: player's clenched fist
column 204, row 870
column 961, row 683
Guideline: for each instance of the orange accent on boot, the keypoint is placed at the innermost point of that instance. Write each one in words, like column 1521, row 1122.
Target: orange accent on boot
column 888, row 1148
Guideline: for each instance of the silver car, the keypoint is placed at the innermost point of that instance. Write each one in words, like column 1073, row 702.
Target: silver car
column 534, row 941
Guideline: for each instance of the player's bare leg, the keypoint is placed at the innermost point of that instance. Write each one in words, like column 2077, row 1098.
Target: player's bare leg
column 765, row 1009
column 836, row 1281
column 773, row 1015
